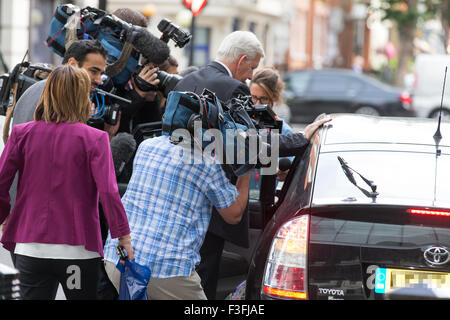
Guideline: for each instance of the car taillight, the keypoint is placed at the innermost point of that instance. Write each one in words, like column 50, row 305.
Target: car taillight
column 285, row 275
column 406, row 99
column 430, row 212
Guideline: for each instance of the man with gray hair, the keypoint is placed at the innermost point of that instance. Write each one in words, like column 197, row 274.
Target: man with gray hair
column 238, row 55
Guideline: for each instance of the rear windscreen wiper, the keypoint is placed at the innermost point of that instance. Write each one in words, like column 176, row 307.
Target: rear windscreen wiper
column 348, row 173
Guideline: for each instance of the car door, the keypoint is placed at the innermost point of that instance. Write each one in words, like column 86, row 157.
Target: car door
column 332, row 93
column 296, row 87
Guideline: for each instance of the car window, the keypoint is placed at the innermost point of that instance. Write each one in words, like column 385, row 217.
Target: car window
column 332, row 85
column 408, row 176
column 298, row 82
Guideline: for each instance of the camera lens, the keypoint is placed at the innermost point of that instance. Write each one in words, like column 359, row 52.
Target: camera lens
column 111, row 114
column 167, row 82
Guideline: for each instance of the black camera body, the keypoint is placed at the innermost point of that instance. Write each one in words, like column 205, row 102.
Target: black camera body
column 174, row 32
column 107, row 107
column 262, row 115
column 14, row 84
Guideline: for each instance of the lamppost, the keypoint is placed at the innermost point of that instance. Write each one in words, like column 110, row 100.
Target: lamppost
column 196, row 6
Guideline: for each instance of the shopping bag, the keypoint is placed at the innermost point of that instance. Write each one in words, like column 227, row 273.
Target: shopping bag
column 134, row 280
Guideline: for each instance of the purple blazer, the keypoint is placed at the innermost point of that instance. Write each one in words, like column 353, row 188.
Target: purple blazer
column 63, row 169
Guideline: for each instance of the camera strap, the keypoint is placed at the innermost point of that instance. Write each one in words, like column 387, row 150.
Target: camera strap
column 9, row 112
column 115, row 68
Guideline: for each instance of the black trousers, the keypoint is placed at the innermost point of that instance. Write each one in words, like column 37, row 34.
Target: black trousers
column 39, row 278
column 208, row 269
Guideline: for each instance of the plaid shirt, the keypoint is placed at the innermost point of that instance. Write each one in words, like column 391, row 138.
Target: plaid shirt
column 168, row 204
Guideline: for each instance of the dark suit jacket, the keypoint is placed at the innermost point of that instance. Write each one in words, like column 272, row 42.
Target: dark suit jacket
column 215, row 78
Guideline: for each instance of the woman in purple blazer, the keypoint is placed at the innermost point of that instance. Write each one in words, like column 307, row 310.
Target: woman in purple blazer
column 64, row 168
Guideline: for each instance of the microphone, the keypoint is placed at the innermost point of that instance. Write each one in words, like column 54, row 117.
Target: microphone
column 123, row 147
column 151, row 47
column 284, row 164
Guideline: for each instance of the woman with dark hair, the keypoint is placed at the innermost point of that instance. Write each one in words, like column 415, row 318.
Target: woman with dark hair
column 64, row 167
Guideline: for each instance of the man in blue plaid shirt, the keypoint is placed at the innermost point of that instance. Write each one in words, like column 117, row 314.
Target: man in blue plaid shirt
column 168, row 204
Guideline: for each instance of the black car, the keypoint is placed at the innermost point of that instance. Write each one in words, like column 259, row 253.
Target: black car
column 309, row 93
column 363, row 214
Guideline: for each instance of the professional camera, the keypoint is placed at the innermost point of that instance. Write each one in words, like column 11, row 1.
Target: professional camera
column 167, row 82
column 174, row 32
column 123, row 41
column 106, row 106
column 261, row 115
column 14, row 84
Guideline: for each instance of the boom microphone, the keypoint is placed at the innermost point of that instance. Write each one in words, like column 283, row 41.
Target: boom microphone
column 151, row 47
column 123, row 147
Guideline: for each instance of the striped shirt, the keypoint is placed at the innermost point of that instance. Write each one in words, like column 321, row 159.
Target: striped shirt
column 168, row 204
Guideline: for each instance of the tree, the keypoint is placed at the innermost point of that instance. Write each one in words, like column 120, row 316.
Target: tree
column 406, row 14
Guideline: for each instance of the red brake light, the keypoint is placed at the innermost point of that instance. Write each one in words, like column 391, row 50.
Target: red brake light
column 430, row 212
column 405, row 98
column 286, row 269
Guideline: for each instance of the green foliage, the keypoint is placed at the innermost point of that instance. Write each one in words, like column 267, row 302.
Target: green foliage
column 406, row 13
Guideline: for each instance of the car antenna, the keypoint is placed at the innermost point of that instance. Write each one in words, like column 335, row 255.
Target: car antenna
column 437, row 135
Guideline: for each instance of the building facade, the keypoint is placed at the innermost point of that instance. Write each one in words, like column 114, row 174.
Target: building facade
column 296, row 34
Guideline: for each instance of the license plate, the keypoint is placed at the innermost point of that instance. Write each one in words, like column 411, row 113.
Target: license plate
column 388, row 280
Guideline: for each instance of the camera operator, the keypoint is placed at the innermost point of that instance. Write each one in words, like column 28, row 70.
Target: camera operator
column 168, row 203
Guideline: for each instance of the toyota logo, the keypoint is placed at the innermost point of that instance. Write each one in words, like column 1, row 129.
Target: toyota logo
column 436, row 256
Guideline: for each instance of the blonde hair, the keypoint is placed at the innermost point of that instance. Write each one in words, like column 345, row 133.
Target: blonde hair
column 270, row 80
column 65, row 97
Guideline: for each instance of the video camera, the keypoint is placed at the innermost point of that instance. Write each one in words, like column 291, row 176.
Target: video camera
column 125, row 44
column 167, row 82
column 261, row 115
column 14, row 84
column 242, row 130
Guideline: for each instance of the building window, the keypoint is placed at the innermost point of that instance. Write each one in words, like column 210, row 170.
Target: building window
column 252, row 27
column 201, row 46
column 236, row 24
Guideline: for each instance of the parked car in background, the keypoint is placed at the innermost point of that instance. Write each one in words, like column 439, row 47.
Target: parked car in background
column 309, row 93
column 429, row 72
column 363, row 214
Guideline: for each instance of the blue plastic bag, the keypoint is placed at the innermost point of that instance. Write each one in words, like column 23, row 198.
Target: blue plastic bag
column 134, row 280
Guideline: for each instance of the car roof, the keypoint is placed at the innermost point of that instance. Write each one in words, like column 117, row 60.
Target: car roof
column 350, row 129
column 347, row 72
column 397, row 153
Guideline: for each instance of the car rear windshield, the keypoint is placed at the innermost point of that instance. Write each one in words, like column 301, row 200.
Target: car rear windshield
column 400, row 178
